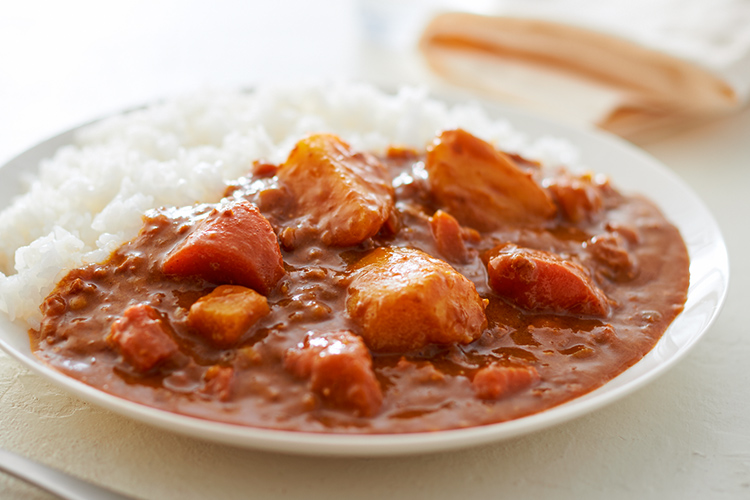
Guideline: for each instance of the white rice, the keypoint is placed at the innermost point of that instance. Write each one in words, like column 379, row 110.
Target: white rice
column 90, row 197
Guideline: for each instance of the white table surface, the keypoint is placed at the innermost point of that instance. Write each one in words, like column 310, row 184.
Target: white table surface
column 686, row 435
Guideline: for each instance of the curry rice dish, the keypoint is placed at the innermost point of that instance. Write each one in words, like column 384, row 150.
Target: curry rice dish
column 400, row 289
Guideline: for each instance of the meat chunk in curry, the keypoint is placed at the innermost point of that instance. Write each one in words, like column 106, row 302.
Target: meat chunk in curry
column 495, row 381
column 339, row 368
column 142, row 338
column 450, row 237
column 579, row 198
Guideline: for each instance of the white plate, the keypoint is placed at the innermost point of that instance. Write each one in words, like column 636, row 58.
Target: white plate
column 630, row 170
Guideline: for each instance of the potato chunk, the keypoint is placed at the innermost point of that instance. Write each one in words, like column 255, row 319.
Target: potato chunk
column 495, row 381
column 233, row 245
column 346, row 196
column 403, row 299
column 223, row 315
column 482, row 187
column 339, row 367
column 542, row 281
column 142, row 338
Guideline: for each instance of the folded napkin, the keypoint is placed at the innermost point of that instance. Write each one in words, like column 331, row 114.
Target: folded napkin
column 633, row 67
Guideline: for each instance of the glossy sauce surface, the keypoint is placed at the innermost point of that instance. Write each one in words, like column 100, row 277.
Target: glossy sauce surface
column 631, row 252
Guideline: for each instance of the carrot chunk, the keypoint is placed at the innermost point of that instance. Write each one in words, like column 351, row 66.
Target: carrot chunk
column 142, row 338
column 223, row 315
column 233, row 245
column 542, row 281
column 339, row 367
column 496, row 381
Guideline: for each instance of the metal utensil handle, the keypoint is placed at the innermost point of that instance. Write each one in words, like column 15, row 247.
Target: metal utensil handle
column 53, row 481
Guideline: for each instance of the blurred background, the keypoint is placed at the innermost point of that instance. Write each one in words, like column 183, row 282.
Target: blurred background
column 62, row 63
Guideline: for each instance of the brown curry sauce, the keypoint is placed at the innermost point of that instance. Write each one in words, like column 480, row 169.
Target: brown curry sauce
column 631, row 253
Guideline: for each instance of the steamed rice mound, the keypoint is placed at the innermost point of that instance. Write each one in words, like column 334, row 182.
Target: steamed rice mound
column 90, row 197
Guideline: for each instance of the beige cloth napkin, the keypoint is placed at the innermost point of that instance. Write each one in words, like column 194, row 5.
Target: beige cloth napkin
column 637, row 68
